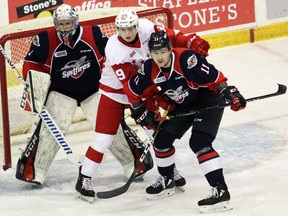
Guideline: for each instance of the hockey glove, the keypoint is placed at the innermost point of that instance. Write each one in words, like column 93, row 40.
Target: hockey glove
column 163, row 103
column 144, row 117
column 232, row 95
column 197, row 44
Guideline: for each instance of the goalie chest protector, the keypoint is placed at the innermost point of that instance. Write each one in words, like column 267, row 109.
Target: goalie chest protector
column 75, row 71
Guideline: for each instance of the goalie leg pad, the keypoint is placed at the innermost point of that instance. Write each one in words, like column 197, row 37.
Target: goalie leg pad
column 25, row 166
column 120, row 149
column 127, row 148
column 89, row 107
column 62, row 109
column 137, row 147
column 35, row 91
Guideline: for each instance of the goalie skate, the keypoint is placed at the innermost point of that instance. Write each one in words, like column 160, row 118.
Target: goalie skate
column 217, row 201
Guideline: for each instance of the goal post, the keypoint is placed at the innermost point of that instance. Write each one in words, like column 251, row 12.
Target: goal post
column 16, row 39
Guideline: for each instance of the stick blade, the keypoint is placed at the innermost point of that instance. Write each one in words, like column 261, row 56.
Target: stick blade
column 113, row 193
column 281, row 89
column 125, row 187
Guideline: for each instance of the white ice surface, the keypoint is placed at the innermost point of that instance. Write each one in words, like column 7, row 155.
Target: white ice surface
column 252, row 143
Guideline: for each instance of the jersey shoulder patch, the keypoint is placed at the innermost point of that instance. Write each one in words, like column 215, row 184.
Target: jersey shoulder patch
column 192, row 61
column 187, row 58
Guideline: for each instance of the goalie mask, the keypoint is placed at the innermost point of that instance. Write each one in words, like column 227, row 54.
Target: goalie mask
column 126, row 18
column 66, row 21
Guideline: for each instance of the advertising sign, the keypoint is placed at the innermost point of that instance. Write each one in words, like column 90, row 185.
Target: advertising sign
column 189, row 15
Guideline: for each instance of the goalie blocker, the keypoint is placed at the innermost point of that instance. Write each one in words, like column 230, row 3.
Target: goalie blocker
column 42, row 148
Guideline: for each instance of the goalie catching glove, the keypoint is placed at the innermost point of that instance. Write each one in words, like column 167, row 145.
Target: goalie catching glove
column 232, row 95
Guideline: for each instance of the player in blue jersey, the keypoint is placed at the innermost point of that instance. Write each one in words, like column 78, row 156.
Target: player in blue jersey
column 188, row 82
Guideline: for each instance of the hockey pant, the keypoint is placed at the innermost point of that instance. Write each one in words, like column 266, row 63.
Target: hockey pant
column 42, row 148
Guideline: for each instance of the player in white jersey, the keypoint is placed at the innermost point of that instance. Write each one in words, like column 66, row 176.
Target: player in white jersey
column 126, row 51
column 123, row 59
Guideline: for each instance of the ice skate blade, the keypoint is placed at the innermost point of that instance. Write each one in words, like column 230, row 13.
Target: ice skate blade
column 180, row 188
column 218, row 207
column 84, row 198
column 162, row 195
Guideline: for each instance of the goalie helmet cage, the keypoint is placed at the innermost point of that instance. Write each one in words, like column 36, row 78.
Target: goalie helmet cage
column 16, row 39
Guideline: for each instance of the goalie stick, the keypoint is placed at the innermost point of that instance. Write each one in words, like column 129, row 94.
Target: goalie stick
column 45, row 116
column 125, row 187
column 281, row 90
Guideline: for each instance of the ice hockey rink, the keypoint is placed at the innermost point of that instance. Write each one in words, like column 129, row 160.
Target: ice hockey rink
column 253, row 145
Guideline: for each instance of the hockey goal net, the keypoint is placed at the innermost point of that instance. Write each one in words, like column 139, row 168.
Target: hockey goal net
column 16, row 39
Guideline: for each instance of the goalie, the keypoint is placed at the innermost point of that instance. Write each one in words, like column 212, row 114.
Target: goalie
column 68, row 59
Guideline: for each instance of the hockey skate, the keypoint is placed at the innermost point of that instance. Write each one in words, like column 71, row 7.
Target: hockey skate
column 218, row 200
column 163, row 187
column 180, row 181
column 84, row 188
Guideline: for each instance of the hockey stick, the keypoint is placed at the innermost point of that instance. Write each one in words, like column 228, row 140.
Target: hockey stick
column 281, row 90
column 44, row 115
column 125, row 187
column 118, row 191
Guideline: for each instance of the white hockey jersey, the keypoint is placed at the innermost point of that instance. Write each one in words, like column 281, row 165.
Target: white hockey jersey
column 118, row 52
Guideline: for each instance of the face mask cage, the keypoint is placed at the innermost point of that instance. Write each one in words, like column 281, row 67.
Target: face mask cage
column 65, row 21
column 62, row 26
